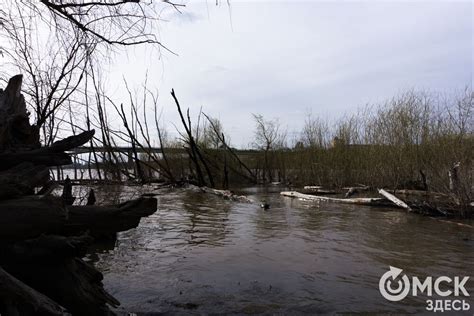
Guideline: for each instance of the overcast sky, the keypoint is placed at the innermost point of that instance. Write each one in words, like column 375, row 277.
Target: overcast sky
column 285, row 59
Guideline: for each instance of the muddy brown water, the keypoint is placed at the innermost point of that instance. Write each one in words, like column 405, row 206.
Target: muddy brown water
column 200, row 254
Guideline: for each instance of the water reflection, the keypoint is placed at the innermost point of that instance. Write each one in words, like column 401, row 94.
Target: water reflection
column 208, row 218
column 202, row 254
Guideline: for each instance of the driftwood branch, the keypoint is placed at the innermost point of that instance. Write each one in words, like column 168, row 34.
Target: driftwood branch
column 46, row 156
column 317, row 190
column 70, row 142
column 357, row 201
column 392, row 198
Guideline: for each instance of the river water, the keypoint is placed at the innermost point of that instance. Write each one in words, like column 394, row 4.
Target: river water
column 200, row 254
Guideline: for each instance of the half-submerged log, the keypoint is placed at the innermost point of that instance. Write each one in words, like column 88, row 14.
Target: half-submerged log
column 102, row 221
column 318, row 190
column 433, row 203
column 29, row 217
column 354, row 190
column 350, row 192
column 312, row 187
column 392, row 198
column 415, row 198
column 357, row 201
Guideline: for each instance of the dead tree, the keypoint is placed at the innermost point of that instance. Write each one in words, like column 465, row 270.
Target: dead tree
column 194, row 153
column 221, row 137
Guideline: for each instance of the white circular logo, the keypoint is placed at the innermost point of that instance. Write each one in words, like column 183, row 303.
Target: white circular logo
column 385, row 285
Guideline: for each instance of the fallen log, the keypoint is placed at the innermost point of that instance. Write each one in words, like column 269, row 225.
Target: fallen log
column 30, row 216
column 358, row 188
column 70, row 142
column 102, row 221
column 312, row 187
column 46, row 156
column 350, row 192
column 319, row 191
column 422, row 193
column 357, row 201
column 316, row 189
column 51, row 264
column 354, row 190
column 394, row 199
column 417, row 196
column 433, row 203
column 59, row 273
column 17, row 298
column 9, row 160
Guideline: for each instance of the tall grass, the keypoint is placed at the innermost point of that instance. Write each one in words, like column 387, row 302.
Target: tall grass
column 410, row 141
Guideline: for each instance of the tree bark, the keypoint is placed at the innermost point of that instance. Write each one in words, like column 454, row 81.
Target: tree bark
column 52, row 266
column 29, row 217
column 17, row 298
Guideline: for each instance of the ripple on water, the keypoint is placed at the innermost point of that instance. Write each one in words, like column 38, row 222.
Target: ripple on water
column 201, row 254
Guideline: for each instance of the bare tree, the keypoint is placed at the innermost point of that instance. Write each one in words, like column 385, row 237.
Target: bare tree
column 120, row 22
column 218, row 133
column 315, row 132
column 54, row 43
column 193, row 149
column 54, row 66
column 268, row 136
